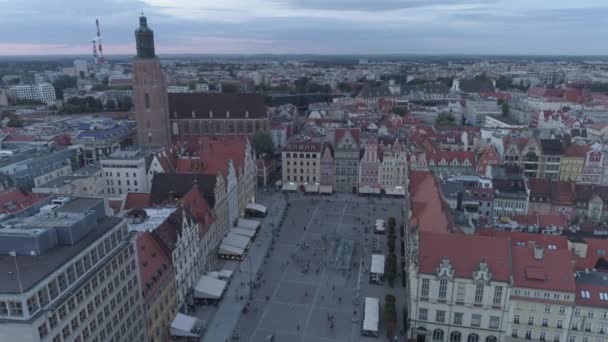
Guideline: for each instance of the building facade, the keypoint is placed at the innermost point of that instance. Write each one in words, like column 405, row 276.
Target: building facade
column 347, row 154
column 327, row 166
column 89, row 290
column 369, row 166
column 126, row 171
column 301, row 162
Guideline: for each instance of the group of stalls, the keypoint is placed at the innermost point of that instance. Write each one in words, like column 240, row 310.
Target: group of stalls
column 308, row 188
column 379, row 228
column 208, row 290
column 236, row 244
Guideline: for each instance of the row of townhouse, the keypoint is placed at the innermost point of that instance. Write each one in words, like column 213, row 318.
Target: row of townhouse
column 347, row 164
column 510, row 287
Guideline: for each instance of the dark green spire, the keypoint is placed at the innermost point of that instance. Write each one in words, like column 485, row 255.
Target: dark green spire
column 144, row 39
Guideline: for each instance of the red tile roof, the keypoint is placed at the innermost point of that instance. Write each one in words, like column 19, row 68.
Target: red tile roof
column 597, row 249
column 154, row 264
column 465, row 253
column 195, row 202
column 577, row 150
column 14, row 200
column 215, row 155
column 554, row 271
column 354, row 132
column 428, row 211
column 136, row 200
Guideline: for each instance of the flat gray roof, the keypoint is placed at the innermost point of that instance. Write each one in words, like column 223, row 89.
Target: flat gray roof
column 33, row 269
column 79, row 204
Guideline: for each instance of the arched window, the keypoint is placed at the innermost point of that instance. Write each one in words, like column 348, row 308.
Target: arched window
column 443, row 288
column 473, row 338
column 455, row 336
column 437, row 335
column 147, row 100
column 491, row 338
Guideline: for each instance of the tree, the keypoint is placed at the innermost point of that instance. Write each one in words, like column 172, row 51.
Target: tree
column 262, row 144
column 110, row 105
column 125, row 103
column 14, row 121
column 445, row 119
column 390, row 315
column 390, row 268
column 505, row 109
column 63, row 82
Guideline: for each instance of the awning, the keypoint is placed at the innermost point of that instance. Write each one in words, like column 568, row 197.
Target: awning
column 370, row 319
column 184, row 325
column 326, row 189
column 248, row 224
column 257, row 207
column 311, row 188
column 244, row 232
column 378, row 263
column 225, row 274
column 369, row 190
column 290, row 187
column 236, row 240
column 380, row 228
column 379, row 221
column 230, row 250
column 396, row 191
column 213, row 274
column 209, row 288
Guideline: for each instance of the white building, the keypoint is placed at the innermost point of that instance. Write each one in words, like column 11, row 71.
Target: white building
column 178, row 89
column 83, row 286
column 301, row 162
column 476, row 110
column 126, row 171
column 393, row 168
column 85, row 182
column 43, row 92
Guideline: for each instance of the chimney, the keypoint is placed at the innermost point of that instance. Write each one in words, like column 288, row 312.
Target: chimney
column 538, row 252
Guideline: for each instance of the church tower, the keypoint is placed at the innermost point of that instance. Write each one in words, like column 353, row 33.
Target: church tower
column 150, row 98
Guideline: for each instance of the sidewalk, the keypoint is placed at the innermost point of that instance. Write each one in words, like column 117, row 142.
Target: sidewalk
column 221, row 326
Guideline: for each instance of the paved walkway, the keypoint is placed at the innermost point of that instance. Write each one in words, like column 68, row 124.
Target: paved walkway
column 222, row 324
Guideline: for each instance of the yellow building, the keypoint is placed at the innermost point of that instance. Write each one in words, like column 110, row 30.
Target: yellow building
column 158, row 287
column 573, row 162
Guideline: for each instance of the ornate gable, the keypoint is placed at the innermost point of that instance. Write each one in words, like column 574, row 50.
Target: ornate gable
column 482, row 273
column 445, row 269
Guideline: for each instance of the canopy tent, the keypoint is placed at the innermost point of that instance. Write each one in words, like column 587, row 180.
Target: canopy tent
column 311, row 188
column 257, row 207
column 380, row 221
column 226, row 249
column 248, row 224
column 396, row 191
column 378, row 263
column 290, row 187
column 371, row 315
column 185, row 326
column 369, row 190
column 213, row 274
column 209, row 288
column 326, row 189
column 244, row 232
column 236, row 240
column 380, row 228
column 225, row 274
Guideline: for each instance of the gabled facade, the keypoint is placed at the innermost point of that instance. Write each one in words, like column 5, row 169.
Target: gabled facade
column 327, row 166
column 531, row 158
column 593, row 167
column 346, row 157
column 489, row 157
column 369, row 165
column 394, row 168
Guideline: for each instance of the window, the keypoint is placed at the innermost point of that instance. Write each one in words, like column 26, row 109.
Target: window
column 460, row 293
column 475, row 320
column 577, row 312
column 478, row 293
column 43, row 330
column 587, row 327
column 147, row 100
column 443, row 288
column 491, row 338
column 437, row 335
column 514, row 333
column 562, row 310
column 473, row 338
column 530, row 320
column 424, row 290
column 516, row 319
column 440, row 316
column 542, row 336
column 494, row 322
column 497, row 295
column 458, row 318
column 559, row 324
column 455, row 336
column 528, row 335
column 422, row 314
column 547, row 308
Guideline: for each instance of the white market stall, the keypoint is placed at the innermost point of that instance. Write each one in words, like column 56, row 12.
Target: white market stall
column 186, row 326
column 368, row 190
column 244, row 232
column 377, row 268
column 256, row 210
column 248, row 224
column 209, row 289
column 371, row 316
column 236, row 240
column 290, row 187
column 230, row 252
column 326, row 189
column 398, row 191
column 311, row 188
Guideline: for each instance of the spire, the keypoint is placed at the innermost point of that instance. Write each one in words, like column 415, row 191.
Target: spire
column 144, row 39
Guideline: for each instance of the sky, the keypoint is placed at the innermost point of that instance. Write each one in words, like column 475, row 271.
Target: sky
column 521, row 27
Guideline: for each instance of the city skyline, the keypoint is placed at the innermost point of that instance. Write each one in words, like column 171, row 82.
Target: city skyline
column 316, row 27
